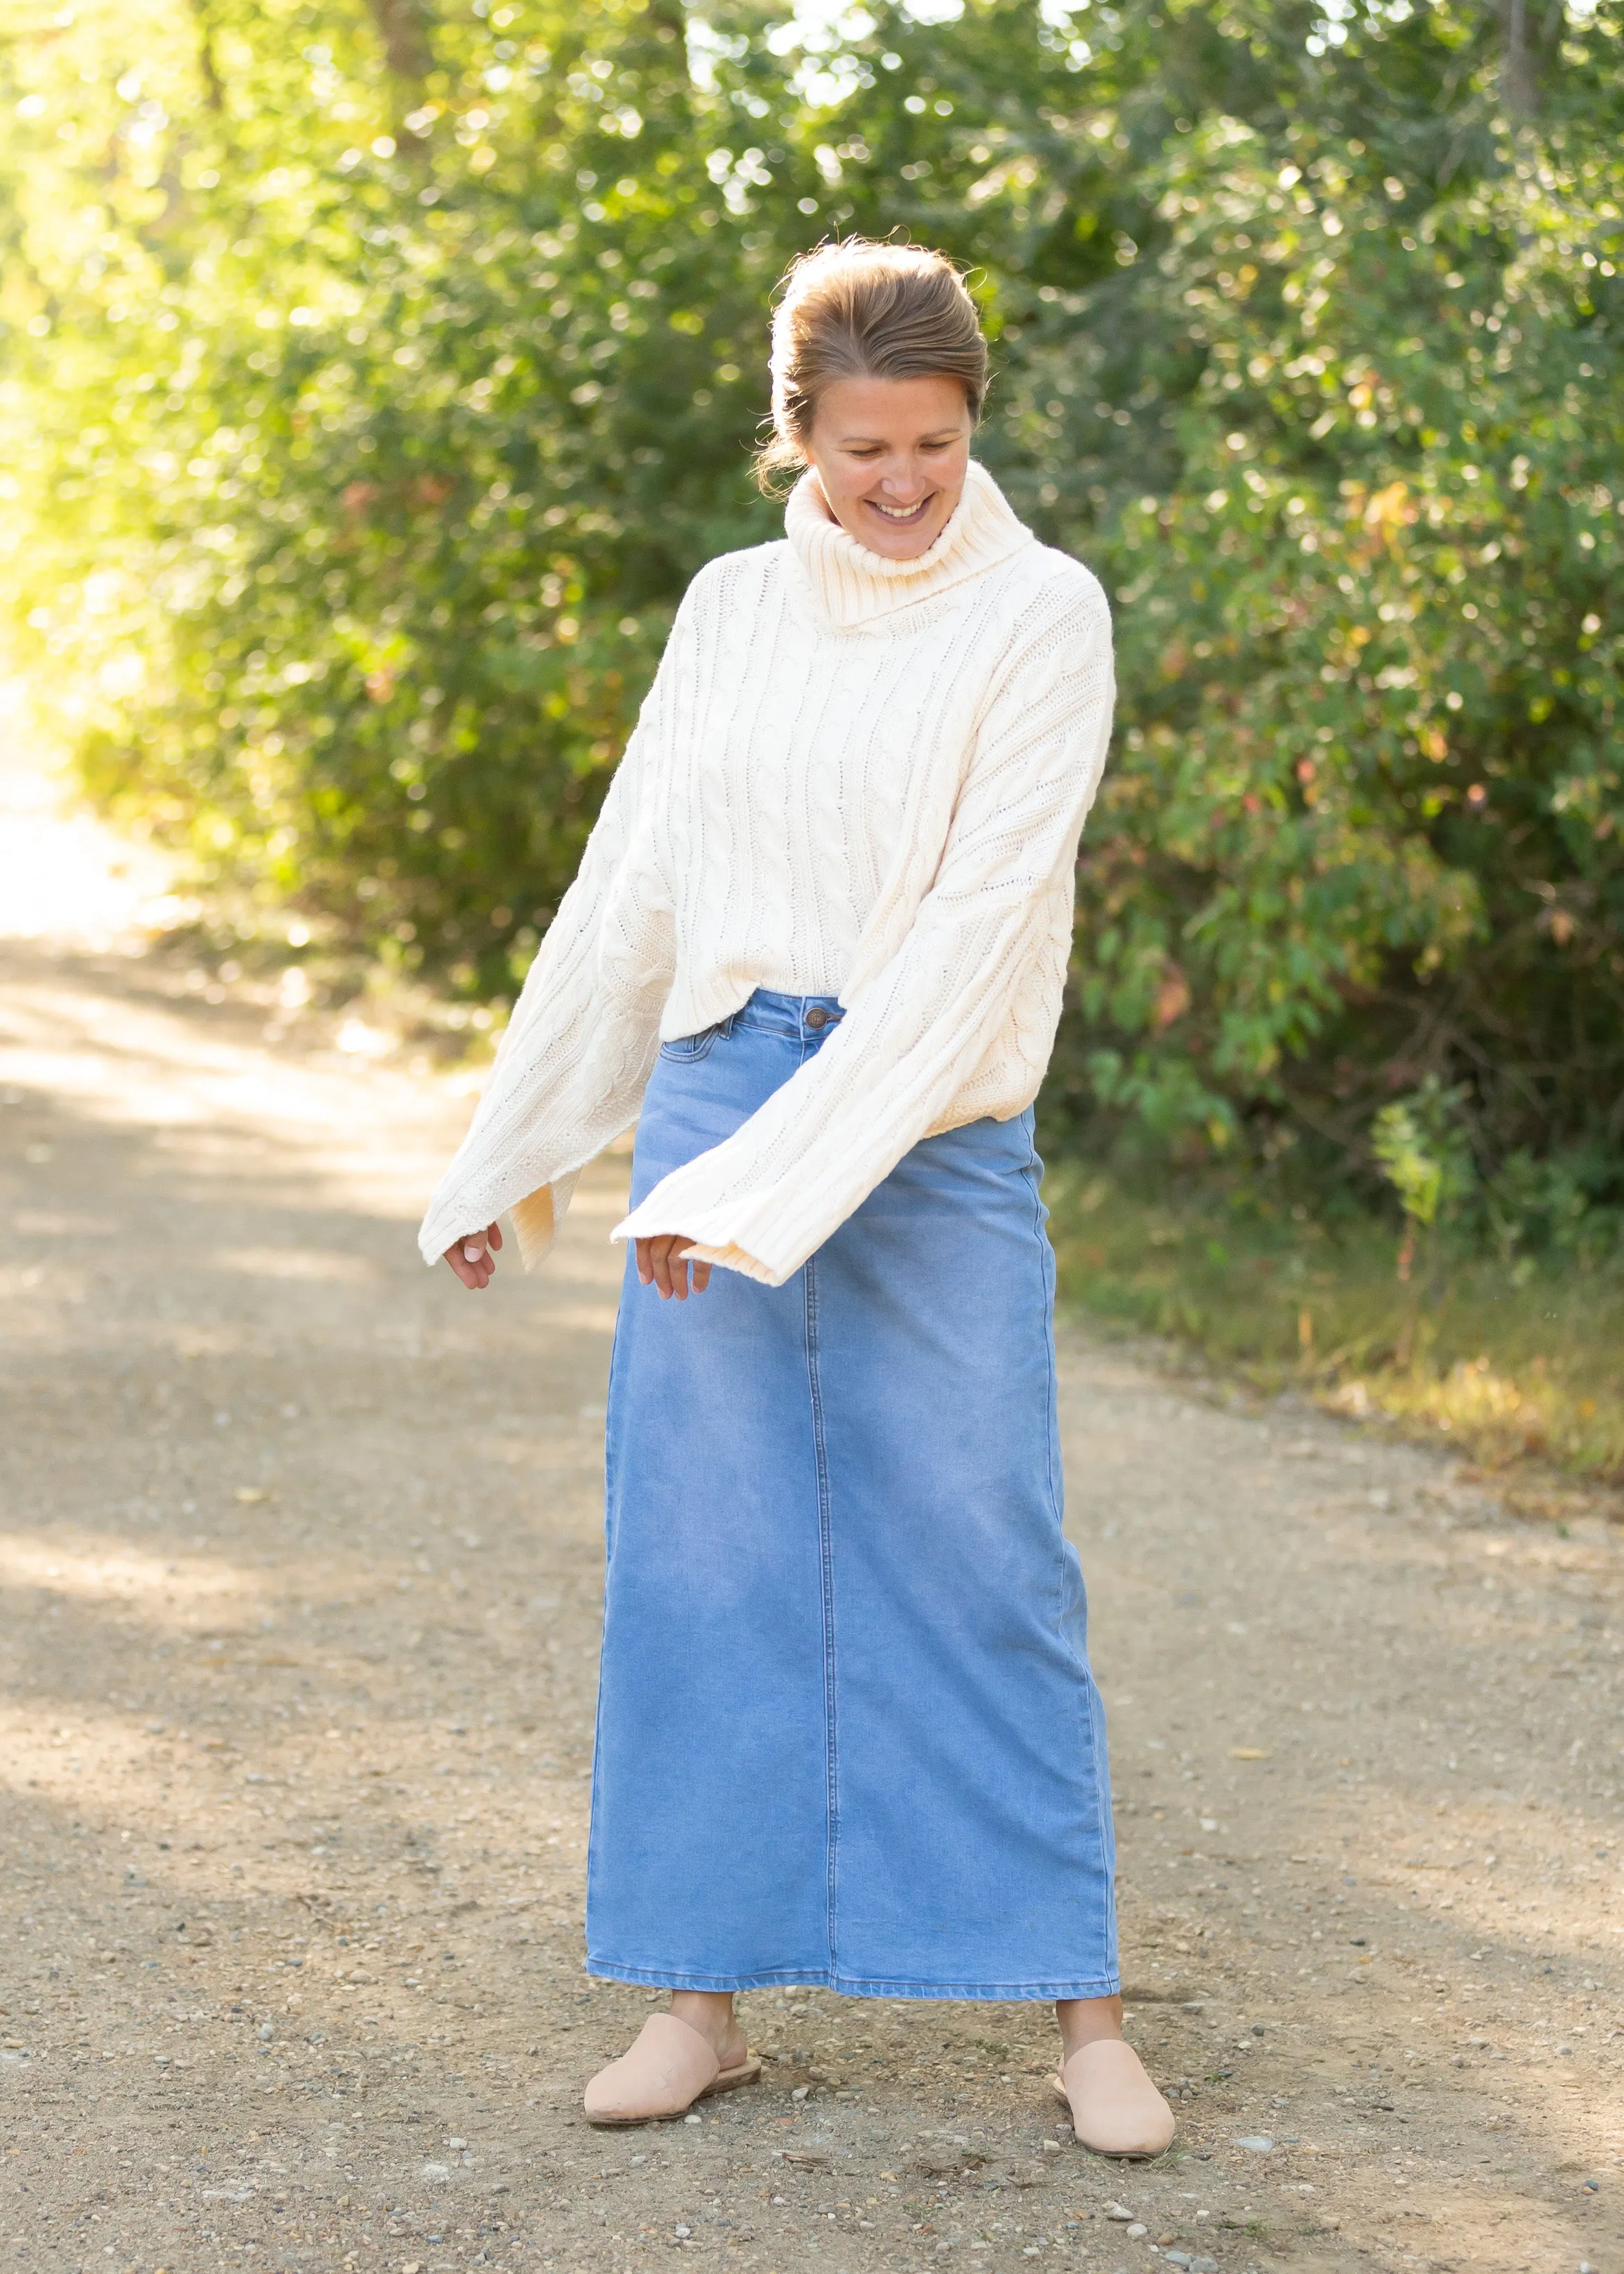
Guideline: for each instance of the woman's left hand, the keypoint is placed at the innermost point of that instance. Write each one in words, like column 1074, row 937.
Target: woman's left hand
column 662, row 1262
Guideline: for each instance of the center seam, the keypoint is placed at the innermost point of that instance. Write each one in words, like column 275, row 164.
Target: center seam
column 826, row 1574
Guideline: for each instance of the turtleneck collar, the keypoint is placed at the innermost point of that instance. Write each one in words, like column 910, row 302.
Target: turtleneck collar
column 852, row 586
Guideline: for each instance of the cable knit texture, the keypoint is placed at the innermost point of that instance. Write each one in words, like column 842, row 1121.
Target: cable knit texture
column 852, row 776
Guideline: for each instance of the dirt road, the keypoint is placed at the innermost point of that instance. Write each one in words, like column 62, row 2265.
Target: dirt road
column 301, row 1568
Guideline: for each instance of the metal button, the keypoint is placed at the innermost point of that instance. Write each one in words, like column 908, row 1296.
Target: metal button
column 817, row 1017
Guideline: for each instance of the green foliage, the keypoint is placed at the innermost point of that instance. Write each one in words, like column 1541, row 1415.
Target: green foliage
column 409, row 472
column 1366, row 823
column 1510, row 1358
column 1420, row 1152
column 371, row 385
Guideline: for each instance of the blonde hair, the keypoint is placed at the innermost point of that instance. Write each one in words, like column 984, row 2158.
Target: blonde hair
column 861, row 310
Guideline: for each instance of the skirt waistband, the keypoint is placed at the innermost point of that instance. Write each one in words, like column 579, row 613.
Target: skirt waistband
column 804, row 1017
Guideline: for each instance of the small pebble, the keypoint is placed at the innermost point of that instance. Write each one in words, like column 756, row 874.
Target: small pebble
column 1137, row 2232
column 1116, row 2211
column 1259, row 2142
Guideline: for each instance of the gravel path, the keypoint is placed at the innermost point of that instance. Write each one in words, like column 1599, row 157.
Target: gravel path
column 301, row 1567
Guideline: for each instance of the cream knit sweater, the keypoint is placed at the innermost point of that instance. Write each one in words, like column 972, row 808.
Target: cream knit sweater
column 852, row 776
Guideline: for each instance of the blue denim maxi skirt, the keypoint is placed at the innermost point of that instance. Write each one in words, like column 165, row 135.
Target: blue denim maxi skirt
column 847, row 1734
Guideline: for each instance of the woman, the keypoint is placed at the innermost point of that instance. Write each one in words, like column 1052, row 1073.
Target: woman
column 846, row 1733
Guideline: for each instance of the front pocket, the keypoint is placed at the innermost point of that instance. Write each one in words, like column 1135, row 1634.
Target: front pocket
column 690, row 1048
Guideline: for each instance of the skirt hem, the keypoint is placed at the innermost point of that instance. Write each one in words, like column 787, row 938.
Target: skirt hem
column 845, row 1985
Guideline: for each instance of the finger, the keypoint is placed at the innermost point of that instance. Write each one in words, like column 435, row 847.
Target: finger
column 679, row 1276
column 493, row 1233
column 660, row 1253
column 702, row 1277
column 645, row 1262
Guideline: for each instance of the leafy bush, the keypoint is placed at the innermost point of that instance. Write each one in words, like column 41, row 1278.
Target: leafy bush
column 372, row 385
column 1364, row 826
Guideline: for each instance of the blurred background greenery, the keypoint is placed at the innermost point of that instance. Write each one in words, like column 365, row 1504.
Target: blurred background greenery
column 372, row 377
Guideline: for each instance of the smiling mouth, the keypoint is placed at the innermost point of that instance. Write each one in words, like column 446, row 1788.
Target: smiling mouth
column 902, row 513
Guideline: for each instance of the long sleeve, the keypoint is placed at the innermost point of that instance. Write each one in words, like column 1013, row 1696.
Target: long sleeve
column 571, row 1068
column 978, row 973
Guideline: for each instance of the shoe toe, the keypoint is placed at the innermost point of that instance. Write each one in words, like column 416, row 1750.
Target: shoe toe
column 606, row 2097
column 1115, row 2109
column 665, row 2073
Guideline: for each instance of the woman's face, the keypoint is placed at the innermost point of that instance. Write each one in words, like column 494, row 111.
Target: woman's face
column 891, row 455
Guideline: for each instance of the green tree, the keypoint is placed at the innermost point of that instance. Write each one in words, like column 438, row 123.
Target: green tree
column 373, row 380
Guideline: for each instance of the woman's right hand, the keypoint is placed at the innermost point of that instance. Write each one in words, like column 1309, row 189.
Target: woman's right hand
column 471, row 1257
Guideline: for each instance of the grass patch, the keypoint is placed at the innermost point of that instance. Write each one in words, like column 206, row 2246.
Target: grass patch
column 1510, row 1363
